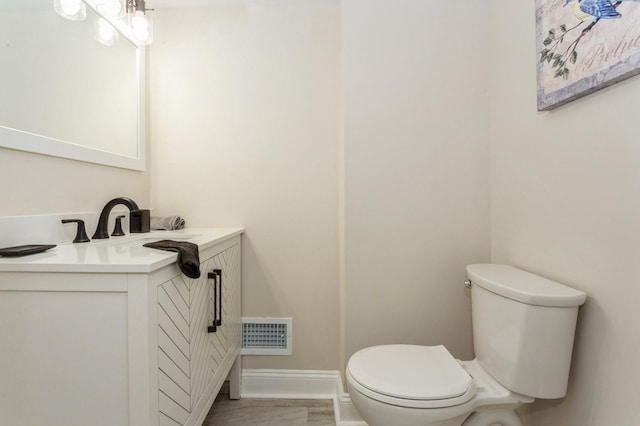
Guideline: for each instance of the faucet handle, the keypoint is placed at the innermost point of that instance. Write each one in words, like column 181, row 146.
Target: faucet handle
column 81, row 234
column 117, row 230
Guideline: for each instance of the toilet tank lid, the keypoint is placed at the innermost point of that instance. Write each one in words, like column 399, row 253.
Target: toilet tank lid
column 523, row 286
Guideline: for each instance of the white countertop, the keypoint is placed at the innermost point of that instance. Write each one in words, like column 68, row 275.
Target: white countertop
column 117, row 254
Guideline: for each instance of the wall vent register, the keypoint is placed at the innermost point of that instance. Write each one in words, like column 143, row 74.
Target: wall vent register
column 267, row 336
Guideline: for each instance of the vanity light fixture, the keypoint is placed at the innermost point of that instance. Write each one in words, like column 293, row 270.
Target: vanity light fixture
column 131, row 18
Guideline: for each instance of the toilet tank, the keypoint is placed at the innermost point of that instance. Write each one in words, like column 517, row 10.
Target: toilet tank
column 523, row 328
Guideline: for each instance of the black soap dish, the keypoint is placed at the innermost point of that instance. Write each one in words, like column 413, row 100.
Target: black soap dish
column 18, row 251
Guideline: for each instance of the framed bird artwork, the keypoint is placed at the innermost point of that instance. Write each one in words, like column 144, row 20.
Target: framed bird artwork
column 584, row 46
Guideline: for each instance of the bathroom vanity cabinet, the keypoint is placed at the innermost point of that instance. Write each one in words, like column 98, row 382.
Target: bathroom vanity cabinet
column 115, row 334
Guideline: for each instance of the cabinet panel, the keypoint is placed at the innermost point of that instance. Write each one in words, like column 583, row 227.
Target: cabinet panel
column 201, row 310
column 228, row 338
column 233, row 293
column 177, row 292
column 174, row 355
column 172, row 409
column 191, row 358
column 163, row 420
column 167, row 366
column 173, row 391
column 169, row 326
column 63, row 358
column 175, row 312
column 179, row 359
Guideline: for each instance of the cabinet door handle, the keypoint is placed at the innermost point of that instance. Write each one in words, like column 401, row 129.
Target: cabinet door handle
column 213, row 276
column 218, row 272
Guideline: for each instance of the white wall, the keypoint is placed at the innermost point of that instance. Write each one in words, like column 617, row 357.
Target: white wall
column 565, row 189
column 416, row 169
column 245, row 114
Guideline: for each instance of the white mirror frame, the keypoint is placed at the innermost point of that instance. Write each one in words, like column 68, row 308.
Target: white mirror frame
column 25, row 141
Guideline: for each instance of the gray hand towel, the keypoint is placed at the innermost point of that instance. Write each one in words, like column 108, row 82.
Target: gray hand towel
column 167, row 223
column 188, row 255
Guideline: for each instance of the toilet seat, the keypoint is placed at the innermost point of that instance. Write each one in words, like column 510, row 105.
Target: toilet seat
column 410, row 376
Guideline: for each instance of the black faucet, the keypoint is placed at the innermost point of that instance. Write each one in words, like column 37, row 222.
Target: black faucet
column 139, row 220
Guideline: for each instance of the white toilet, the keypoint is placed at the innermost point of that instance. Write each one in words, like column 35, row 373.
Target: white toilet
column 523, row 330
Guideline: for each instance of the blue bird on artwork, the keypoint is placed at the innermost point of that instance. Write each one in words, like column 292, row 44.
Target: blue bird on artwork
column 595, row 9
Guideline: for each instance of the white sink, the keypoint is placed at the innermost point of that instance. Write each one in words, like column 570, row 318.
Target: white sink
column 138, row 240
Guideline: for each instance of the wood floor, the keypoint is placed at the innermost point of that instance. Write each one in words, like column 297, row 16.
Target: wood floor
column 270, row 412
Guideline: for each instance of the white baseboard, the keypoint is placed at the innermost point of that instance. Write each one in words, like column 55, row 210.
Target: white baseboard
column 302, row 384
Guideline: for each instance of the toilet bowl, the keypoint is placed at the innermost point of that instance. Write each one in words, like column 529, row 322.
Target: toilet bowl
column 412, row 385
column 523, row 331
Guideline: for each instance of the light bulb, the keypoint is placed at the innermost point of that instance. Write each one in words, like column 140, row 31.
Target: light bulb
column 73, row 10
column 106, row 32
column 110, row 7
column 140, row 26
column 70, row 7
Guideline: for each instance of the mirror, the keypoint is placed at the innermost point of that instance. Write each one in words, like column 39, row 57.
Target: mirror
column 62, row 93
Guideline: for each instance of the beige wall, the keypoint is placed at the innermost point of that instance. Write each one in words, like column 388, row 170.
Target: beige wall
column 416, row 169
column 565, row 197
column 245, row 126
column 246, row 130
column 37, row 184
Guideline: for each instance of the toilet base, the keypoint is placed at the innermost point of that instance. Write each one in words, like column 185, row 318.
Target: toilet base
column 380, row 414
column 501, row 417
